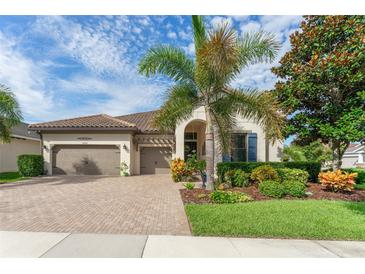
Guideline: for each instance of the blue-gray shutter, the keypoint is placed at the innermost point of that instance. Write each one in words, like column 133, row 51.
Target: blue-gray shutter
column 252, row 147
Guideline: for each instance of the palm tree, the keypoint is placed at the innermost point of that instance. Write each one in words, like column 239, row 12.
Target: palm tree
column 220, row 56
column 10, row 114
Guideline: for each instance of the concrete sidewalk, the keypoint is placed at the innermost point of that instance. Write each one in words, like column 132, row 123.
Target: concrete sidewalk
column 66, row 245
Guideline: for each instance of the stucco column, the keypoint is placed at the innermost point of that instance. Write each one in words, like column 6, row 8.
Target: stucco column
column 125, row 155
column 179, row 141
column 47, row 154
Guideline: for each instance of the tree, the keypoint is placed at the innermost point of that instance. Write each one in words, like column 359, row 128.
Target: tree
column 10, row 114
column 322, row 85
column 220, row 55
column 315, row 151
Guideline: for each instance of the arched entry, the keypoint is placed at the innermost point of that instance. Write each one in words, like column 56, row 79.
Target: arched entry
column 194, row 139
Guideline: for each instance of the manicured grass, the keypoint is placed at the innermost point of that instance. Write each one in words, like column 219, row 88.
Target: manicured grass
column 8, row 177
column 311, row 219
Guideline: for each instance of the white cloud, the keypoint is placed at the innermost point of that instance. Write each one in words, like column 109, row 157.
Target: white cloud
column 25, row 78
column 185, row 35
column 171, row 35
column 250, row 27
column 145, row 21
column 219, row 21
column 137, row 30
column 93, row 49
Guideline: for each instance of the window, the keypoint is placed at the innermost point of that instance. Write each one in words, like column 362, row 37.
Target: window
column 190, row 144
column 252, row 147
column 238, row 147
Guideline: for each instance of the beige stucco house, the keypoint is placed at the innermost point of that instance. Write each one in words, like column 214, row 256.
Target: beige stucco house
column 22, row 141
column 99, row 144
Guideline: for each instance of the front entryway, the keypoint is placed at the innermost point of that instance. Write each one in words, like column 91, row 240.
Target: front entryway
column 155, row 160
column 85, row 160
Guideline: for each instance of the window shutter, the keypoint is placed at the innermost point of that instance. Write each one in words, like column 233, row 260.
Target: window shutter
column 252, row 147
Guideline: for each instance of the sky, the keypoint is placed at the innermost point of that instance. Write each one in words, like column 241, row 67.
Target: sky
column 68, row 66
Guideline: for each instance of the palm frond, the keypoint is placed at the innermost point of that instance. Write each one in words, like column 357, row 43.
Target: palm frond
column 260, row 107
column 10, row 114
column 199, row 31
column 179, row 105
column 169, row 61
column 258, row 47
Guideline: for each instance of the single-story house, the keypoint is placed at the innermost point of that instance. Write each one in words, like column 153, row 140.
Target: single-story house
column 354, row 156
column 22, row 141
column 102, row 144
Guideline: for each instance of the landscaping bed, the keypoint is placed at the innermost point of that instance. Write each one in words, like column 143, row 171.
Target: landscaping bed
column 201, row 196
column 9, row 177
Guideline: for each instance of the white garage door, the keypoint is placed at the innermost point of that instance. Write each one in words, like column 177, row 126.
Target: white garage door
column 155, row 160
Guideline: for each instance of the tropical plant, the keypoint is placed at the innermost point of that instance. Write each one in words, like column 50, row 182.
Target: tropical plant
column 338, row 180
column 294, row 188
column 180, row 170
column 189, row 185
column 293, row 174
column 124, row 169
column 322, row 85
column 241, row 178
column 220, row 56
column 10, row 114
column 229, row 197
column 272, row 188
column 265, row 172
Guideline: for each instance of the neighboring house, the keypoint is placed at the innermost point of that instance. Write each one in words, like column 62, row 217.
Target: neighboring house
column 22, row 141
column 354, row 156
column 99, row 144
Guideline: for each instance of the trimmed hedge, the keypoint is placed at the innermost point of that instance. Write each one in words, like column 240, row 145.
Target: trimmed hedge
column 313, row 168
column 30, row 165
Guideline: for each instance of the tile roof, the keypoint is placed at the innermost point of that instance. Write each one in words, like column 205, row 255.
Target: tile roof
column 143, row 121
column 100, row 121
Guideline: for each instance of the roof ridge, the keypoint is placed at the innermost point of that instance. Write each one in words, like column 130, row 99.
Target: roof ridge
column 68, row 119
column 137, row 113
column 118, row 120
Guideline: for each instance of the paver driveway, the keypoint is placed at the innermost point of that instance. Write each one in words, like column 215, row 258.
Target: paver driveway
column 149, row 204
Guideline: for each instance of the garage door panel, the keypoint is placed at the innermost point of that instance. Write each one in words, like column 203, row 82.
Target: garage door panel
column 155, row 160
column 86, row 160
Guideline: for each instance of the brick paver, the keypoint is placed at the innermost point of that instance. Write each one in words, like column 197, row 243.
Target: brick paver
column 149, row 204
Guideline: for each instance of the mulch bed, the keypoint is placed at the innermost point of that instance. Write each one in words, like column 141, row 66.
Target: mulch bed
column 201, row 196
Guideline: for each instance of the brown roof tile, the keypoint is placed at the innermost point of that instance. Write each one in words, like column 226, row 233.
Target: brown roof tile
column 100, row 121
column 143, row 121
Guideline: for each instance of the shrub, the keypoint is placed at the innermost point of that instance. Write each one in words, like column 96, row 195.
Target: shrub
column 313, row 168
column 294, row 188
column 30, row 165
column 179, row 170
column 189, row 185
column 272, row 188
column 338, row 180
column 263, row 173
column 229, row 177
column 360, row 179
column 293, row 174
column 241, row 178
column 229, row 197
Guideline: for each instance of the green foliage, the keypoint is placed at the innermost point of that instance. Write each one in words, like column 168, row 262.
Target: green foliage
column 189, row 185
column 360, row 179
column 313, row 168
column 241, row 178
column 229, row 197
column 30, row 165
column 10, row 114
column 264, row 172
column 272, row 188
column 315, row 151
column 294, row 174
column 206, row 80
column 229, row 177
column 195, row 165
column 294, row 188
column 321, row 86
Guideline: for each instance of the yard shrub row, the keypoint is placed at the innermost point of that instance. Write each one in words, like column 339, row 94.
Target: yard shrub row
column 360, row 179
column 313, row 168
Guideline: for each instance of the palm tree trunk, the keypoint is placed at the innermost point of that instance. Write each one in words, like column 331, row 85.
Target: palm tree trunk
column 209, row 146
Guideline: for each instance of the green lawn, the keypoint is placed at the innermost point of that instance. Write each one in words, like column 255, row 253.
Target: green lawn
column 311, row 219
column 7, row 177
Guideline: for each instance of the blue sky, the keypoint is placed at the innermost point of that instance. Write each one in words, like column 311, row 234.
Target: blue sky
column 61, row 67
